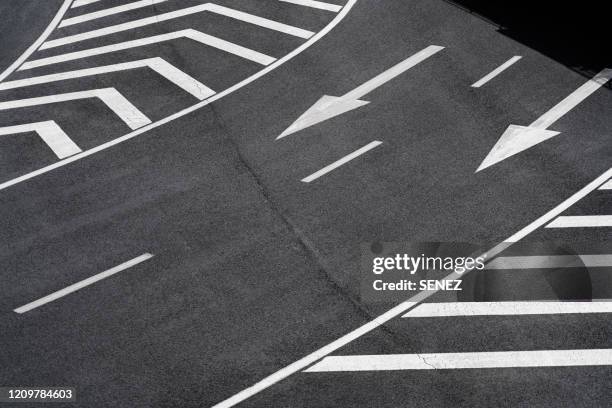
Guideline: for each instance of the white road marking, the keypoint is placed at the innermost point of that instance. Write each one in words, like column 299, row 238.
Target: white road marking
column 28, row 176
column 315, row 4
column 50, row 133
column 159, row 65
column 455, row 309
column 581, row 221
column 110, row 96
column 81, row 284
column 403, row 307
column 453, row 361
column 518, row 138
column 550, row 261
column 60, row 13
column 330, row 106
column 191, row 34
column 607, row 186
column 213, row 8
column 108, row 12
column 496, row 71
column 342, row 161
column 79, row 3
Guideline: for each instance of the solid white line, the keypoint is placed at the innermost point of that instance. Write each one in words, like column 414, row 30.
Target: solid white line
column 225, row 11
column 453, row 361
column 455, row 309
column 159, row 65
column 315, row 4
column 403, row 307
column 339, row 17
column 110, row 96
column 496, row 71
column 550, row 261
column 79, row 3
column 607, row 185
column 573, row 99
column 342, row 161
column 81, row 284
column 194, row 35
column 581, row 221
column 38, row 42
column 50, row 133
column 108, row 12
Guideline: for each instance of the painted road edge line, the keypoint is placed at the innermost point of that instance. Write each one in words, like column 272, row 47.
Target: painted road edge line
column 496, row 71
column 456, row 309
column 342, row 161
column 403, row 307
column 52, row 25
column 81, row 284
column 468, row 360
column 339, row 17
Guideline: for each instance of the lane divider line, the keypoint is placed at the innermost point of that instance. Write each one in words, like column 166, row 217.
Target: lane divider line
column 81, row 284
column 496, row 71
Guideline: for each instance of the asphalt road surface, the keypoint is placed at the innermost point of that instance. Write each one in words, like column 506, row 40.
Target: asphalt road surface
column 187, row 189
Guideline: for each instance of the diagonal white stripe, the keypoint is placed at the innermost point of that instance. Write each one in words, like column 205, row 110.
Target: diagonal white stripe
column 315, row 4
column 108, row 12
column 581, row 221
column 50, row 133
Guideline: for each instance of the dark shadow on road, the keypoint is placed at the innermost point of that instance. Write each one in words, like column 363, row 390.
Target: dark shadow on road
column 574, row 33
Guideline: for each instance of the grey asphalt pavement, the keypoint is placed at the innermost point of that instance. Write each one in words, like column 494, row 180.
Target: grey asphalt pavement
column 253, row 269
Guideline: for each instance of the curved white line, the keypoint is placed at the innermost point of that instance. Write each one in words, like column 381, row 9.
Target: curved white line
column 339, row 17
column 58, row 16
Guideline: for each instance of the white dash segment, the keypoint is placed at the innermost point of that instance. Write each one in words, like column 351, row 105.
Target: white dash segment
column 108, row 12
column 50, row 133
column 606, row 186
column 109, row 96
column 81, row 284
column 191, row 34
column 342, row 161
column 475, row 360
column 456, row 309
column 550, row 261
column 213, row 8
column 496, row 71
column 315, row 4
column 581, row 221
column 80, row 3
column 159, row 65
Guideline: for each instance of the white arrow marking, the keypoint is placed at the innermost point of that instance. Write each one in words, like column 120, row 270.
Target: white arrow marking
column 315, row 4
column 50, row 133
column 330, row 106
column 213, row 8
column 108, row 12
column 79, row 3
column 194, row 35
column 518, row 138
column 110, row 96
column 453, row 361
column 455, row 309
column 159, row 65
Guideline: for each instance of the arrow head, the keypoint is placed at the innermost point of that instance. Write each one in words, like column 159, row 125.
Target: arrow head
column 514, row 140
column 325, row 108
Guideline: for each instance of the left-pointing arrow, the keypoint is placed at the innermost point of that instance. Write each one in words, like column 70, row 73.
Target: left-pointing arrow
column 330, row 106
column 518, row 138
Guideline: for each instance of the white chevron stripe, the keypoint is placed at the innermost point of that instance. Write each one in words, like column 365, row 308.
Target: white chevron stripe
column 192, row 34
column 225, row 11
column 110, row 96
column 50, row 133
column 79, row 3
column 159, row 65
column 108, row 12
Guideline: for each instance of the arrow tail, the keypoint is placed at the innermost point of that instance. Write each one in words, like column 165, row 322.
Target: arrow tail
column 392, row 72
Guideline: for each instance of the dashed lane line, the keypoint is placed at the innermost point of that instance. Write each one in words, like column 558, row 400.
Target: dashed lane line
column 496, row 71
column 157, row 64
column 81, row 284
column 208, row 7
column 189, row 33
column 110, row 96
